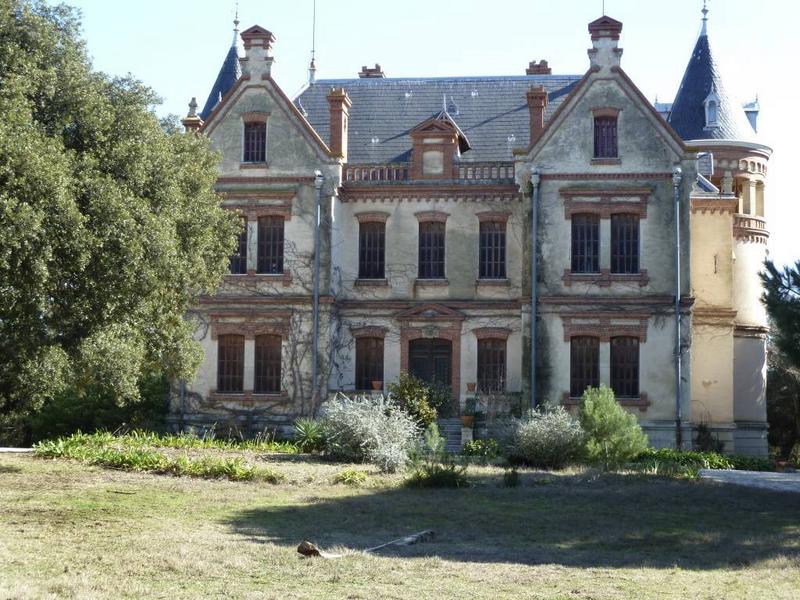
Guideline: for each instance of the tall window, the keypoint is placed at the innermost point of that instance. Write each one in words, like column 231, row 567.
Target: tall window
column 268, row 364
column 230, row 363
column 492, row 263
column 605, row 137
column 491, row 365
column 369, row 362
column 371, row 250
column 238, row 264
column 255, row 142
column 584, row 366
column 585, row 243
column 625, row 367
column 270, row 245
column 624, row 244
column 431, row 250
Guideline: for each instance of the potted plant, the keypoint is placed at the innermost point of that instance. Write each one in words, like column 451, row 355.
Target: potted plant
column 471, row 387
column 377, row 385
column 468, row 414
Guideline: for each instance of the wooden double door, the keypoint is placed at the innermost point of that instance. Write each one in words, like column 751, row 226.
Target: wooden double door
column 431, row 360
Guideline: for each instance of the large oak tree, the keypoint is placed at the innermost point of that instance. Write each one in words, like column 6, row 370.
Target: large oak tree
column 109, row 225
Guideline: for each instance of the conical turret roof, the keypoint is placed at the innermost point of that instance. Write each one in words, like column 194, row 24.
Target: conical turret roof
column 701, row 80
column 228, row 75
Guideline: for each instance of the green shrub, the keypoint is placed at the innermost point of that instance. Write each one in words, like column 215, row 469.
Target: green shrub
column 613, row 435
column 750, row 463
column 308, row 435
column 413, row 396
column 484, row 449
column 368, row 429
column 549, row 439
column 350, row 477
column 794, row 455
column 685, row 462
column 436, row 474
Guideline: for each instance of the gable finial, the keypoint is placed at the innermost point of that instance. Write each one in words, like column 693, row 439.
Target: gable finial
column 236, row 24
column 705, row 17
column 312, row 67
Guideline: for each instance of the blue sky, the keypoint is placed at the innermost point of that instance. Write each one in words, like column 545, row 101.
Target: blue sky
column 177, row 47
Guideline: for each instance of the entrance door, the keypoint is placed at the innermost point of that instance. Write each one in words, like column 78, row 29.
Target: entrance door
column 430, row 359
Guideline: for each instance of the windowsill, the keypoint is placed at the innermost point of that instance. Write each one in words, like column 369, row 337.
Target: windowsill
column 253, row 165
column 431, row 282
column 606, row 161
column 253, row 278
column 372, row 283
column 493, row 282
column 246, row 396
column 605, row 278
column 642, row 402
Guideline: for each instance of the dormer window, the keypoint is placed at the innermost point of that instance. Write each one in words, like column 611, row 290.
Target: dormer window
column 711, row 104
column 436, row 145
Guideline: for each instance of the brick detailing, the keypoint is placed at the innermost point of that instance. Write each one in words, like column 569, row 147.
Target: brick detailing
column 537, row 103
column 540, row 68
column 339, row 104
column 604, row 326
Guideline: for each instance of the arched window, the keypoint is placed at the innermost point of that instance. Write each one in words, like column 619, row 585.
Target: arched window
column 711, row 113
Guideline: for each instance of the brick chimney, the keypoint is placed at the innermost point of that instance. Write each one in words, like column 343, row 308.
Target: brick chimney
column 371, row 72
column 339, row 103
column 539, row 68
column 257, row 61
column 537, row 102
column 605, row 52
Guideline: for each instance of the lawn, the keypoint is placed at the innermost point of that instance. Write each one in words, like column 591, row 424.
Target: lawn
column 72, row 530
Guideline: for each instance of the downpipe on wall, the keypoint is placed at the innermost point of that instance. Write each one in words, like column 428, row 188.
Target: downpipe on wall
column 677, row 178
column 535, row 179
column 318, row 180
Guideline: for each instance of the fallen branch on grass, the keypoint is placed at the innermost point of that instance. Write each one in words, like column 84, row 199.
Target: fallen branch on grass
column 308, row 549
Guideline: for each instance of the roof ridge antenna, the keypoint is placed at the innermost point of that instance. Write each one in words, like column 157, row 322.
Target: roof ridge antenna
column 312, row 67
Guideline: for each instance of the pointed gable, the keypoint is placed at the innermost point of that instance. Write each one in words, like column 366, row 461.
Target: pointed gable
column 430, row 312
column 701, row 82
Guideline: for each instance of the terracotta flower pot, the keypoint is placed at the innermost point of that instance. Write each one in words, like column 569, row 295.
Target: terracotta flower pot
column 467, row 420
column 377, row 385
column 471, row 387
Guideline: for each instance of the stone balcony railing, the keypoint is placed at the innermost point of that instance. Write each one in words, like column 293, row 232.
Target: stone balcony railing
column 750, row 228
column 488, row 172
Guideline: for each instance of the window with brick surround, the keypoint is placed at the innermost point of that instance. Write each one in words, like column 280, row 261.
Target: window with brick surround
column 255, row 142
column 270, row 245
column 371, row 250
column 230, row 363
column 585, row 243
column 431, row 250
column 369, row 362
column 605, row 137
column 238, row 263
column 624, row 243
column 492, row 263
column 584, row 364
column 267, row 364
column 491, row 365
column 625, row 367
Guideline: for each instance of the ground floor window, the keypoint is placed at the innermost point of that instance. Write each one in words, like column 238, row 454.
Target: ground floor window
column 268, row 364
column 230, row 363
column 369, row 362
column 584, row 364
column 491, row 365
column 625, row 367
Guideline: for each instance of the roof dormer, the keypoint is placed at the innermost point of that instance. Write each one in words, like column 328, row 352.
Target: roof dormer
column 711, row 106
column 436, row 143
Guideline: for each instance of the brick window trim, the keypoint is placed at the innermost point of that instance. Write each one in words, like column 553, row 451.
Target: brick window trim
column 255, row 117
column 451, row 332
column 602, row 203
column 604, row 326
column 368, row 331
column 605, row 278
column 431, row 216
column 493, row 216
column 250, row 329
column 252, row 278
column 605, row 111
column 252, row 213
column 372, row 217
column 493, row 333
column 247, row 398
column 642, row 402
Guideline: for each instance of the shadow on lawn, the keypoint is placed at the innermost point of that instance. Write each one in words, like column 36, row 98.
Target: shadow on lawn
column 608, row 521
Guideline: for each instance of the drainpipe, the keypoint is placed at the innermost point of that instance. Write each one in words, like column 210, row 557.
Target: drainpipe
column 535, row 178
column 677, row 177
column 318, row 179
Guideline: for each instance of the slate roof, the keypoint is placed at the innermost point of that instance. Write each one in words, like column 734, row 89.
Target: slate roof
column 687, row 116
column 228, row 75
column 489, row 110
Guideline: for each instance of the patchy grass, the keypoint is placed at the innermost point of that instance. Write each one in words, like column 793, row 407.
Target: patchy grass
column 71, row 530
